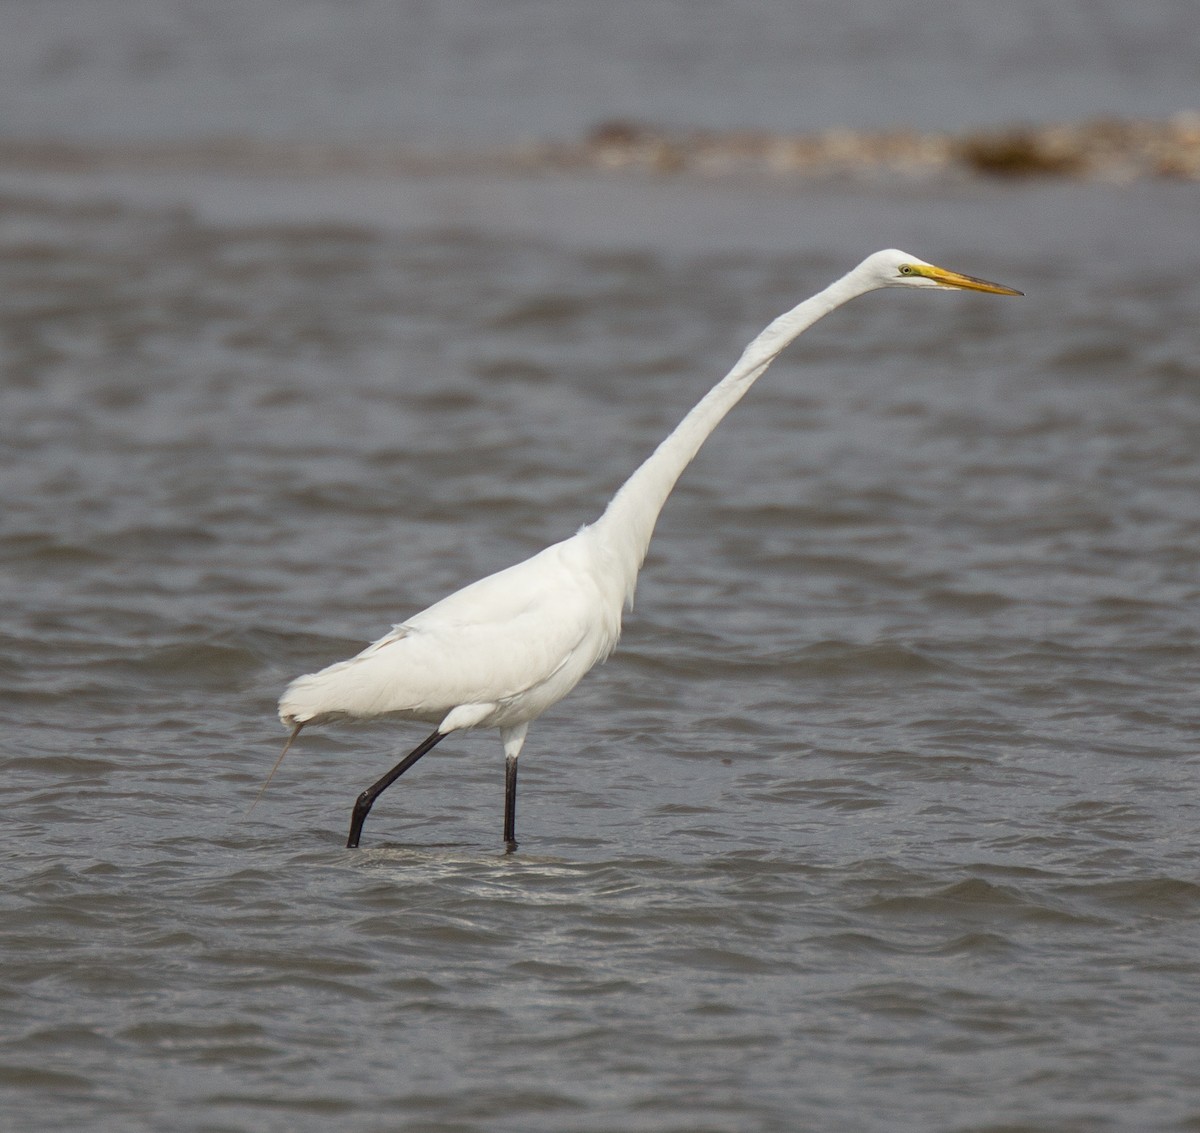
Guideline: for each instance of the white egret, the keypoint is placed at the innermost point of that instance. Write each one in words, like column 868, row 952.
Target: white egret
column 499, row 652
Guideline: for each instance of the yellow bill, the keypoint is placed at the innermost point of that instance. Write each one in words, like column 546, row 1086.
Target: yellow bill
column 966, row 282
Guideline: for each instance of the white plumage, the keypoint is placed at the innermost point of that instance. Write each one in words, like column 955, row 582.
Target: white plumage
column 496, row 653
column 502, row 650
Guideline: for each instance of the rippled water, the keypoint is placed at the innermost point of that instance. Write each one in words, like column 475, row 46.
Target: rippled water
column 882, row 817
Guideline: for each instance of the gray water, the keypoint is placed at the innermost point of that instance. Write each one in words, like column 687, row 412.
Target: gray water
column 882, row 817
column 435, row 72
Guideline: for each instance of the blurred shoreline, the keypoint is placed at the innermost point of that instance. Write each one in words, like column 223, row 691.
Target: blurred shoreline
column 1107, row 149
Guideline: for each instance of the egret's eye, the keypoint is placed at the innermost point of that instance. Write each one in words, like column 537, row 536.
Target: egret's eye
column 907, row 269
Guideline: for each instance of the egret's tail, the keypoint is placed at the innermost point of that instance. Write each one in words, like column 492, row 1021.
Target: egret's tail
column 290, row 740
column 344, row 690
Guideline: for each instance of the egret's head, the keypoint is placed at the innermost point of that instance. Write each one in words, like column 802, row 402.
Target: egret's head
column 893, row 268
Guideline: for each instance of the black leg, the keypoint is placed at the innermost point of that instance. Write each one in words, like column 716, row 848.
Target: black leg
column 366, row 800
column 510, row 803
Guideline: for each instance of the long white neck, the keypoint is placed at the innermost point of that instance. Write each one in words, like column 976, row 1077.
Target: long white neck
column 628, row 522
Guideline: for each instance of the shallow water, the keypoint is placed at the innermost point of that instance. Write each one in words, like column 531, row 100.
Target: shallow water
column 883, row 815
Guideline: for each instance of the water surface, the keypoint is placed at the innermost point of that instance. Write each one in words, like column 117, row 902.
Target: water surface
column 882, row 816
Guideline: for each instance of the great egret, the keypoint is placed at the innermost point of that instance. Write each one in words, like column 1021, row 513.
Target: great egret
column 502, row 650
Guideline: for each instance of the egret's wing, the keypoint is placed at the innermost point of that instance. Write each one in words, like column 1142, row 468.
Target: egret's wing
column 488, row 643
column 450, row 662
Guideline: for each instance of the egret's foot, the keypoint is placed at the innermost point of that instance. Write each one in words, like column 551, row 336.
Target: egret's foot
column 362, row 808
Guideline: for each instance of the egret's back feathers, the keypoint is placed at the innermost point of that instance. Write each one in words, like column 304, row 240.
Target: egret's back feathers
column 513, row 642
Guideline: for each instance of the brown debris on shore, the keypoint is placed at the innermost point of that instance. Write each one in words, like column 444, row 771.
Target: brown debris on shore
column 1108, row 149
